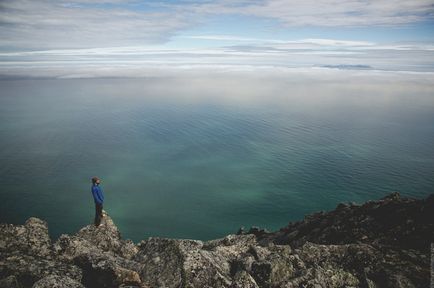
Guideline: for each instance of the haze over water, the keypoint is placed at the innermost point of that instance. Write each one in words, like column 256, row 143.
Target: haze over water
column 200, row 153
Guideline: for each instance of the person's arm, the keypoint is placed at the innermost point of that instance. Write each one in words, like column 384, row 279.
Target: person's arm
column 101, row 194
column 96, row 192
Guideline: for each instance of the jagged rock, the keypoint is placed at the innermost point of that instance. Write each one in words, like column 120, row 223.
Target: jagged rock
column 258, row 231
column 31, row 238
column 107, row 238
column 101, row 254
column 28, row 269
column 27, row 256
column 243, row 279
column 10, row 282
column 54, row 281
column 162, row 261
column 392, row 221
column 383, row 243
column 241, row 231
column 392, row 196
column 276, row 268
column 100, row 271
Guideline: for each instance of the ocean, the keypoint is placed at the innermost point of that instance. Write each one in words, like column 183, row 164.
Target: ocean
column 198, row 157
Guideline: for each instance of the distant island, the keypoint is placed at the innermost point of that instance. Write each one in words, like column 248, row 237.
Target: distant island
column 384, row 243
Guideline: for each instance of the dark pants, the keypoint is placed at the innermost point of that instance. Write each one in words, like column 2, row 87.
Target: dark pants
column 98, row 214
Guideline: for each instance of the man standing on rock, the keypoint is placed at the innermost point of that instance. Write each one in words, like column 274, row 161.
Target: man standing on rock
column 98, row 197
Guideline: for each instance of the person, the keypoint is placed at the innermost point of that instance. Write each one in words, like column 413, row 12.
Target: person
column 98, row 197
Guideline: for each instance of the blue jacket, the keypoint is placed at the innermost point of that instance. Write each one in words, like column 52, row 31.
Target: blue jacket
column 97, row 194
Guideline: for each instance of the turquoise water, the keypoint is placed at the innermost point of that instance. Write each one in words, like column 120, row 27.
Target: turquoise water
column 199, row 158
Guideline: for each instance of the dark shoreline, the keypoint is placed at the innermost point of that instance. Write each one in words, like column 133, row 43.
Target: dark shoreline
column 383, row 243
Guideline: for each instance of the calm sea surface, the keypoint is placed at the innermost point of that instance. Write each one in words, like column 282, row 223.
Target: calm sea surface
column 199, row 158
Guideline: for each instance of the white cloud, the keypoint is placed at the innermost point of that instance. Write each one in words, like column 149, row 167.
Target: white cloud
column 317, row 42
column 51, row 24
column 332, row 42
column 303, row 53
column 327, row 12
column 230, row 38
column 30, row 24
column 64, row 70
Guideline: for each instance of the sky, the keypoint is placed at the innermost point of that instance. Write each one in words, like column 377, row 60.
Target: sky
column 61, row 38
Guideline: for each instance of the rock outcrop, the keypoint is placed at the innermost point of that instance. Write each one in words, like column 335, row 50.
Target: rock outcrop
column 383, row 243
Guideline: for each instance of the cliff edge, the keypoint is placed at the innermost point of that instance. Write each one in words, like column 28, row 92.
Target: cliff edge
column 384, row 243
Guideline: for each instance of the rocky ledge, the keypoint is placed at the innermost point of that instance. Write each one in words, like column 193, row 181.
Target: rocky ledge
column 384, row 243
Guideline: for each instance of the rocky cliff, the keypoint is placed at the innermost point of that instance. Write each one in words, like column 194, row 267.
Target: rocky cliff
column 383, row 243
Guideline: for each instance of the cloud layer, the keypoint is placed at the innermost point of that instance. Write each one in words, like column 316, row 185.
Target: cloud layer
column 328, row 12
column 249, row 52
column 38, row 37
column 50, row 24
column 28, row 24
